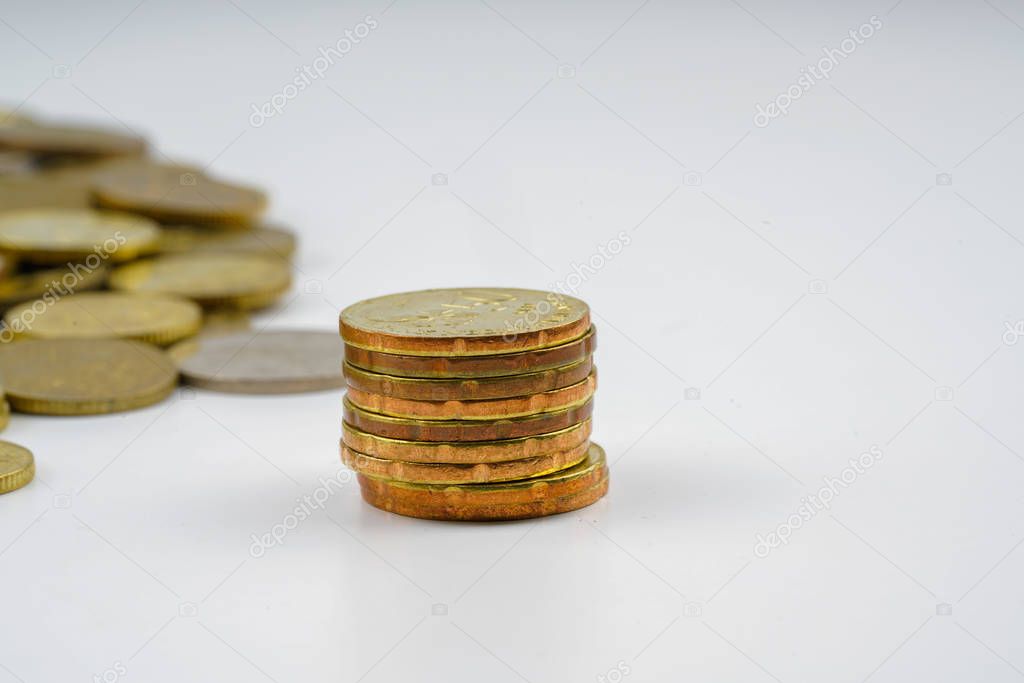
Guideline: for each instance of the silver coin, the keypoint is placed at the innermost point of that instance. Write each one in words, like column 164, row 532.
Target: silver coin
column 272, row 362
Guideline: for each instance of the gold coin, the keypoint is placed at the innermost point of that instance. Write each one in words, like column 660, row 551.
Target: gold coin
column 219, row 321
column 5, row 414
column 464, row 430
column 467, row 389
column 464, row 322
column 43, row 190
column 71, row 140
column 154, row 318
column 191, row 239
column 465, row 452
column 13, row 163
column 239, row 281
column 462, row 473
column 17, row 466
column 488, row 409
column 169, row 196
column 582, row 484
column 84, row 376
column 13, row 117
column 48, row 236
column 429, row 367
column 50, row 283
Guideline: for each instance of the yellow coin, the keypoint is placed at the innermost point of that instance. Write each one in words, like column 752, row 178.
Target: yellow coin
column 71, row 140
column 191, row 239
column 154, row 318
column 60, row 235
column 17, row 466
column 240, row 281
column 84, row 376
column 170, row 196
column 464, row 322
column 42, row 190
column 50, row 283
column 5, row 414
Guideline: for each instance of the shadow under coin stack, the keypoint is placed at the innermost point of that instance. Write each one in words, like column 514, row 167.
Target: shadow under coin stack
column 472, row 404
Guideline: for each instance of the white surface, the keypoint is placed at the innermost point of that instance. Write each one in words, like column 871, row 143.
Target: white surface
column 135, row 516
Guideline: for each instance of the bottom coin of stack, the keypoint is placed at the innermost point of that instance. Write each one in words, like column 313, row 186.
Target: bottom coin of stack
column 438, row 431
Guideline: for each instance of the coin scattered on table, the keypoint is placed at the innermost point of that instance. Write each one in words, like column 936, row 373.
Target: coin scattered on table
column 69, row 140
column 155, row 318
column 190, row 239
column 50, row 236
column 464, row 322
column 240, row 281
column 84, row 376
column 17, row 466
column 272, row 362
column 471, row 404
column 51, row 283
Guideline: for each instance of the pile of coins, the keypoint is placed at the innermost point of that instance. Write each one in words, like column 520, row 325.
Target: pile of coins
column 117, row 269
column 472, row 404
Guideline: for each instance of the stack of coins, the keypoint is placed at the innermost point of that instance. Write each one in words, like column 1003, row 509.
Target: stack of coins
column 472, row 404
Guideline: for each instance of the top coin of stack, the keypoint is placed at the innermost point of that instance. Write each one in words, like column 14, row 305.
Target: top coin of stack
column 471, row 403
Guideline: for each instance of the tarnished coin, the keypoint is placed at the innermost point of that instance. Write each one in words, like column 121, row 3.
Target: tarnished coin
column 191, row 239
column 17, row 466
column 488, row 409
column 465, row 452
column 562, row 491
column 498, row 365
column 180, row 198
column 462, row 473
column 467, row 389
column 464, row 322
column 155, row 318
column 84, row 376
column 464, row 430
column 70, row 140
column 274, row 362
column 240, row 281
column 49, row 236
column 50, row 283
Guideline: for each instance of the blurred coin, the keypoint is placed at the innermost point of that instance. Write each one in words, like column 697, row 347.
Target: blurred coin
column 465, row 452
column 48, row 236
column 17, row 466
column 561, row 491
column 180, row 198
column 50, row 283
column 72, row 140
column 489, row 409
column 468, row 389
column 240, row 281
column 472, row 366
column 193, row 239
column 84, row 376
column 274, row 362
column 14, row 117
column 5, row 414
column 462, row 473
column 220, row 321
column 464, row 430
column 154, row 318
column 464, row 322
column 42, row 190
column 12, row 163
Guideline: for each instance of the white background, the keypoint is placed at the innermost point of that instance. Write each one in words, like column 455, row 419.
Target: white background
column 812, row 279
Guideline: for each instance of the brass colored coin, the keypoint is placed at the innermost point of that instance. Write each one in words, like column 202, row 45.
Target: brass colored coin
column 13, row 117
column 429, row 367
column 17, row 466
column 192, row 239
column 464, row 430
column 468, row 389
column 240, row 281
column 153, row 318
column 12, row 163
column 225, row 321
column 71, row 140
column 489, row 409
column 5, row 414
column 465, row 452
column 43, row 190
column 84, row 376
column 274, row 362
column 8, row 264
column 49, row 236
column 52, row 282
column 464, row 322
column 499, row 500
column 495, row 512
column 172, row 197
column 454, row 473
